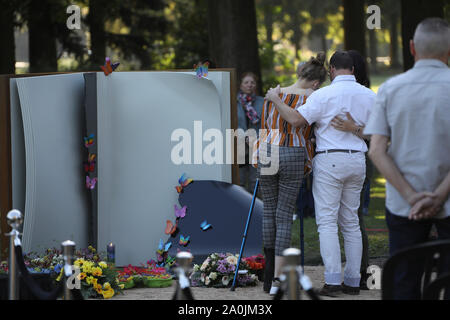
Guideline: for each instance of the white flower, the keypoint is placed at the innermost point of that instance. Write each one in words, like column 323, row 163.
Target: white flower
column 225, row 280
column 207, row 281
column 213, row 276
column 202, row 277
column 196, row 267
column 232, row 260
column 204, row 265
column 253, row 277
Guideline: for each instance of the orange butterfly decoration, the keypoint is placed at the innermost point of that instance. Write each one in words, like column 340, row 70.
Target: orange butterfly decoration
column 171, row 228
column 109, row 67
column 183, row 182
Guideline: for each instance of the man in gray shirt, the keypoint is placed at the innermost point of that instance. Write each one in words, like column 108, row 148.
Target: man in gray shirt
column 412, row 112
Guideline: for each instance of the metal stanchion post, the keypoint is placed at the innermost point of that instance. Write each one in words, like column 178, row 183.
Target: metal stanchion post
column 68, row 249
column 184, row 261
column 15, row 220
column 292, row 260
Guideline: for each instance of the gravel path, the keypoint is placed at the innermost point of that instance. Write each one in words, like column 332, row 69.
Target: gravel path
column 315, row 273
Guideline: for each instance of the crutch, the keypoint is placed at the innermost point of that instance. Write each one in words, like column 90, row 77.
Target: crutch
column 301, row 216
column 302, row 241
column 233, row 286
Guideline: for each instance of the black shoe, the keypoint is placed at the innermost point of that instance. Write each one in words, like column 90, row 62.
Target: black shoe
column 330, row 290
column 363, row 282
column 269, row 268
column 354, row 291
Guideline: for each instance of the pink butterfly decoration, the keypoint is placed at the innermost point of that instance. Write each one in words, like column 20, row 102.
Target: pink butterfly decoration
column 180, row 213
column 90, row 183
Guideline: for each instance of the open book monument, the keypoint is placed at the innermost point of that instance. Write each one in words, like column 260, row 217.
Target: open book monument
column 96, row 159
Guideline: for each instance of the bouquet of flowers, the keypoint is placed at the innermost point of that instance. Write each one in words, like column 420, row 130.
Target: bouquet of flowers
column 149, row 276
column 3, row 267
column 218, row 271
column 98, row 279
column 50, row 262
column 256, row 264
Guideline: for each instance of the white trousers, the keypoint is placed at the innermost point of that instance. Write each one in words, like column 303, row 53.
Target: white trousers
column 337, row 182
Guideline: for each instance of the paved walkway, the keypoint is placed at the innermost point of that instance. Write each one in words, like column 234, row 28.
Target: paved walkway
column 315, row 273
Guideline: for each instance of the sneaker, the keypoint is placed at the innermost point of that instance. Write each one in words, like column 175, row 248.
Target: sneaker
column 330, row 290
column 276, row 283
column 354, row 291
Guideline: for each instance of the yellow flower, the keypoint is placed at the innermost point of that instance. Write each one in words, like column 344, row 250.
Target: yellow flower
column 108, row 293
column 130, row 278
column 79, row 262
column 121, row 286
column 90, row 280
column 106, row 286
column 82, row 276
column 98, row 288
column 97, row 272
column 103, row 264
column 87, row 266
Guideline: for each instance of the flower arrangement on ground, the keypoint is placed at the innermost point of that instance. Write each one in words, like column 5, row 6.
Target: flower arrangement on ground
column 256, row 264
column 218, row 271
column 98, row 279
column 149, row 275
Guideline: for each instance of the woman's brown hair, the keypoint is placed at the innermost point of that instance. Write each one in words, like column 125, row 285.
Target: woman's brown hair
column 314, row 69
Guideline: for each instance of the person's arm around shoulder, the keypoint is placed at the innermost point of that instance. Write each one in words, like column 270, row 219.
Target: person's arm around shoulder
column 287, row 113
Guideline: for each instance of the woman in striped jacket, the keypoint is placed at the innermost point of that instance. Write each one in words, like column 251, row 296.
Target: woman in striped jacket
column 290, row 146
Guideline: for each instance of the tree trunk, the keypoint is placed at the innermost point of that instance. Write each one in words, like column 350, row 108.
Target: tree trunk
column 268, row 23
column 323, row 39
column 41, row 37
column 393, row 46
column 7, row 53
column 232, row 36
column 354, row 26
column 373, row 51
column 96, row 21
column 413, row 12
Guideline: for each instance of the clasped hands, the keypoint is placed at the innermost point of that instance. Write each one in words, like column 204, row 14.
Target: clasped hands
column 424, row 205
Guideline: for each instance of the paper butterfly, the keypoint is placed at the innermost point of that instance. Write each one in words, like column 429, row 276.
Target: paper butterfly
column 108, row 68
column 180, row 213
column 162, row 250
column 89, row 166
column 170, row 261
column 89, row 141
column 184, row 241
column 205, row 226
column 183, row 181
column 201, row 70
column 171, row 228
column 90, row 183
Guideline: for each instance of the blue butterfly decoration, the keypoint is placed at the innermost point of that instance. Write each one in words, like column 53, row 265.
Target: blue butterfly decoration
column 161, row 253
column 205, row 225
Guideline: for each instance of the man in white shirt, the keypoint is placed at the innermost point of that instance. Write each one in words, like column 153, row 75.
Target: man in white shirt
column 339, row 168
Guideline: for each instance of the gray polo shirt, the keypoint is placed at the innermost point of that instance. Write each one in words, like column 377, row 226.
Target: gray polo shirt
column 413, row 109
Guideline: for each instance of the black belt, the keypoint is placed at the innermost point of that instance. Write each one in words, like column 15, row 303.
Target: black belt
column 338, row 150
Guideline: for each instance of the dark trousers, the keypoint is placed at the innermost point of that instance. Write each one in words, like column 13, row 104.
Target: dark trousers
column 404, row 233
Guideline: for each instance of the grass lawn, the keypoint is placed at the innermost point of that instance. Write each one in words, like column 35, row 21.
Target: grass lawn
column 378, row 240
